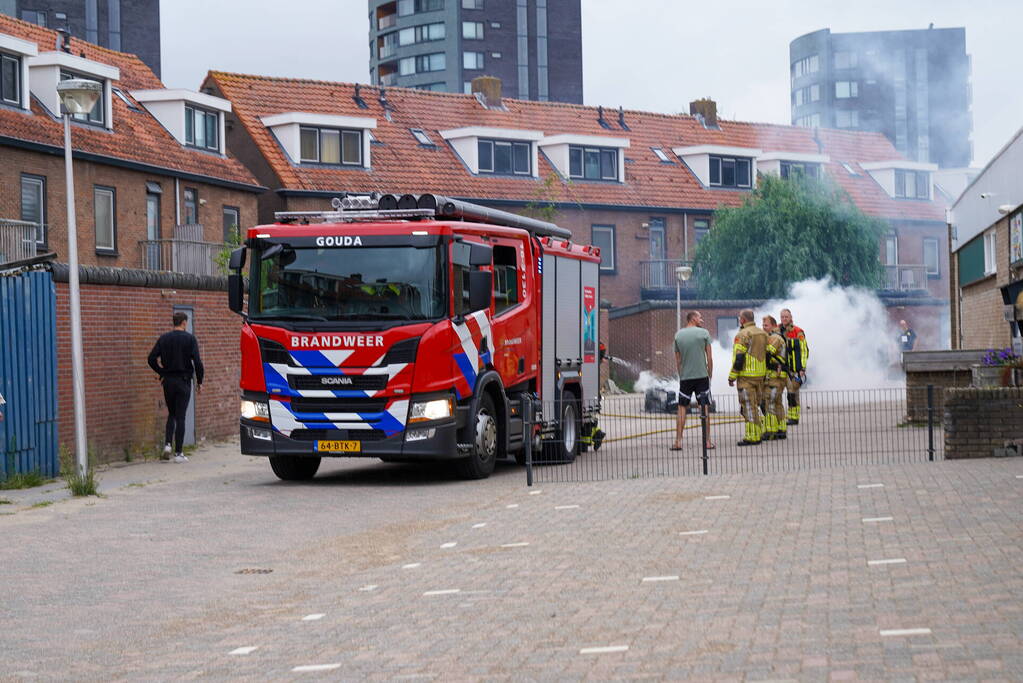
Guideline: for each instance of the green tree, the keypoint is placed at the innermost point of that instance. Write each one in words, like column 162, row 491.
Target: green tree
column 542, row 205
column 788, row 230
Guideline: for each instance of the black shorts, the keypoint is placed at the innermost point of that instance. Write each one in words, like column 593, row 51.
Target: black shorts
column 700, row 387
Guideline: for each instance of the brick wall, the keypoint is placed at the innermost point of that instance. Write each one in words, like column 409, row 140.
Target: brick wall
column 983, row 324
column 979, row 421
column 124, row 402
column 129, row 203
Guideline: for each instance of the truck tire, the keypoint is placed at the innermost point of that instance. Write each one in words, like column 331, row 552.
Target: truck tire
column 294, row 468
column 481, row 463
column 566, row 446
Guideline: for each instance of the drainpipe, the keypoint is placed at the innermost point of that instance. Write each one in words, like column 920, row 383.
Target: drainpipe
column 177, row 203
column 685, row 234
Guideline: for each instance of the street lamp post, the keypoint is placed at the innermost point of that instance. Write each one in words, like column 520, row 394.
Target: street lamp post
column 682, row 273
column 78, row 97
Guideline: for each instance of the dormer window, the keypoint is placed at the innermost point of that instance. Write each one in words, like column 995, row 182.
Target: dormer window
column 504, row 156
column 730, row 171
column 912, row 184
column 202, row 128
column 800, row 169
column 98, row 113
column 10, row 79
column 592, row 163
column 331, row 146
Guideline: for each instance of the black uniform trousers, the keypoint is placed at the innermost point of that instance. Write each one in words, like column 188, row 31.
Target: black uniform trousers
column 176, row 393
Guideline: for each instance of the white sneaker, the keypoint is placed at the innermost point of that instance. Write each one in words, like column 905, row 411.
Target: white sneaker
column 180, row 457
column 167, row 450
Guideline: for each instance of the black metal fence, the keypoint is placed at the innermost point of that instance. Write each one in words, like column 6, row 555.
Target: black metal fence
column 836, row 428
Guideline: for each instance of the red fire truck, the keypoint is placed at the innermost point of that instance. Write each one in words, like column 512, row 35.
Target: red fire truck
column 415, row 327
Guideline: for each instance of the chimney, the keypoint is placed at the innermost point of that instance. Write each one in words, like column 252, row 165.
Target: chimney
column 708, row 109
column 488, row 89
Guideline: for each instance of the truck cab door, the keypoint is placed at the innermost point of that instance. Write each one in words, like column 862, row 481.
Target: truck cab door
column 514, row 312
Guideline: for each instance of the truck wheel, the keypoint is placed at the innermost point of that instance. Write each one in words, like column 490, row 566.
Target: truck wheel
column 480, row 464
column 294, row 468
column 566, row 446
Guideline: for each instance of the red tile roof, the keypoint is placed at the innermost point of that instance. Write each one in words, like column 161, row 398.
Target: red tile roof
column 136, row 136
column 401, row 164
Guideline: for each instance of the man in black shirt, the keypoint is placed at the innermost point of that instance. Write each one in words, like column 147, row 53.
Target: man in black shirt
column 178, row 355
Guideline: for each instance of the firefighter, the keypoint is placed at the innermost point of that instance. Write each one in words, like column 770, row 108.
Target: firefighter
column 775, row 422
column 749, row 366
column 797, row 352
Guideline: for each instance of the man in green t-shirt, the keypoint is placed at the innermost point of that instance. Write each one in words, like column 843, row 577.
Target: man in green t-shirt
column 695, row 368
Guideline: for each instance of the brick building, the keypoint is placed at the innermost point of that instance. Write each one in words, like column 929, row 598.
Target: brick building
column 987, row 255
column 154, row 186
column 642, row 186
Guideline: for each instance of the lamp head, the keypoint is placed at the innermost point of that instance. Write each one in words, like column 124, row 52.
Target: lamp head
column 683, row 273
column 1005, row 208
column 79, row 95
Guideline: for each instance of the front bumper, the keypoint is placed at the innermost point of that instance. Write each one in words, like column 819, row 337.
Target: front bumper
column 442, row 445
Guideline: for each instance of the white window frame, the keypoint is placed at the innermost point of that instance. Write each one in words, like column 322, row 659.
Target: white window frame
column 473, row 60
column 110, row 192
column 611, row 152
column 197, row 114
column 38, row 182
column 18, row 85
column 101, row 103
column 421, row 137
column 511, row 144
column 342, row 134
column 659, row 153
column 476, row 32
column 847, row 90
column 891, row 249
column 933, row 242
column 990, row 253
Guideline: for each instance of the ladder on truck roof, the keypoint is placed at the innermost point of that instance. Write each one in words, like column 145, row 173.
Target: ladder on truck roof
column 350, row 208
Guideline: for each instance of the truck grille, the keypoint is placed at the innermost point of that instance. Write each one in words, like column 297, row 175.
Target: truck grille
column 337, row 405
column 338, row 382
column 338, row 434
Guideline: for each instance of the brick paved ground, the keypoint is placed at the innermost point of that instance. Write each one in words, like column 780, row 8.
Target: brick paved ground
column 142, row 584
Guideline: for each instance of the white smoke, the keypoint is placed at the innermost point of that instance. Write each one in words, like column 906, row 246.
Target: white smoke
column 852, row 341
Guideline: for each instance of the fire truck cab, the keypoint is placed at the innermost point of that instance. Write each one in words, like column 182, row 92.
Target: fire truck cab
column 415, row 328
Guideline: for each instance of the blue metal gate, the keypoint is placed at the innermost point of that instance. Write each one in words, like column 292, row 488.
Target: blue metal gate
column 28, row 374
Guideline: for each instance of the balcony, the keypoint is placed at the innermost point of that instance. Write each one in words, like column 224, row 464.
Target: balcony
column 386, row 51
column 18, row 240
column 387, row 21
column 389, row 79
column 187, row 256
column 658, row 280
column 905, row 278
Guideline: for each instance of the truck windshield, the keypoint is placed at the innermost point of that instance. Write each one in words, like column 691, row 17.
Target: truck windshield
column 368, row 283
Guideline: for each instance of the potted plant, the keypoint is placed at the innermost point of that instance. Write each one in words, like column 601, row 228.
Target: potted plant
column 1000, row 367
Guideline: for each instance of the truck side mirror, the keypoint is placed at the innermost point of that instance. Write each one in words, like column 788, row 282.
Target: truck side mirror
column 237, row 260
column 235, row 291
column 480, row 254
column 481, row 283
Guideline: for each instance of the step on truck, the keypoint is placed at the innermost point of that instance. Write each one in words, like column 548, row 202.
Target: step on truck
column 415, row 328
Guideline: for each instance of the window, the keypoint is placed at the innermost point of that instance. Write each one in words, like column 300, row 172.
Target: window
column 891, row 249
column 104, row 213
column 659, row 153
column 421, row 137
column 849, row 169
column 202, row 128
column 472, row 60
column 729, row 172
column 791, row 169
column 472, row 30
column 472, row 4
column 804, row 95
column 506, row 279
column 406, row 7
column 420, row 34
column 593, row 163
column 603, row 236
column 990, row 265
column 435, row 87
column 846, row 89
column 330, row 146
column 811, row 121
column 34, row 17
column 232, row 223
column 97, row 113
column 191, row 207
column 912, row 184
column 931, row 255
column 460, row 291
column 701, row 226
column 807, row 65
column 422, row 64
column 847, row 118
column 10, row 79
column 501, row 156
column 845, row 60
column 33, row 204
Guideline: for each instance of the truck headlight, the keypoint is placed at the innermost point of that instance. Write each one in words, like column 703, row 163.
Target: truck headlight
column 256, row 410
column 437, row 409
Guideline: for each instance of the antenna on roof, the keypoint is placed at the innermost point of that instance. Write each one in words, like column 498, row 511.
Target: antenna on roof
column 621, row 119
column 358, row 98
column 600, row 118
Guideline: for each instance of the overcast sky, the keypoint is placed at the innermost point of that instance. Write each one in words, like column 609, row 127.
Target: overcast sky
column 655, row 55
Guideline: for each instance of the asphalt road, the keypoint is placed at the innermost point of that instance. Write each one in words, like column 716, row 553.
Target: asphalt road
column 214, row 569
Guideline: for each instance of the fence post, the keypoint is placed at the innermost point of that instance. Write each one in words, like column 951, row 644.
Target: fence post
column 930, row 422
column 704, row 435
column 527, row 436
